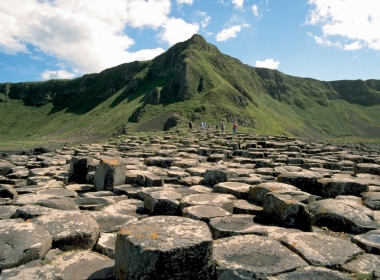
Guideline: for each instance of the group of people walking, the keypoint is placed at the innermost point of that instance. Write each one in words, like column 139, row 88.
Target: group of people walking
column 222, row 126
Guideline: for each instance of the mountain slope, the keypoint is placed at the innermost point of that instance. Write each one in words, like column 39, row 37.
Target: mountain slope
column 197, row 80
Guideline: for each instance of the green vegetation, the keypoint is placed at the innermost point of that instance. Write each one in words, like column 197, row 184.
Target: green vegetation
column 197, row 80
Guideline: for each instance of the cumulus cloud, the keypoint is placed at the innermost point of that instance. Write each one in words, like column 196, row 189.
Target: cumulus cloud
column 238, row 3
column 205, row 19
column 89, row 35
column 255, row 11
column 177, row 30
column 356, row 21
column 229, row 32
column 189, row 2
column 268, row 63
column 57, row 74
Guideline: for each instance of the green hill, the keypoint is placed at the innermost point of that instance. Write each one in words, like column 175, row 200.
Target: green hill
column 196, row 80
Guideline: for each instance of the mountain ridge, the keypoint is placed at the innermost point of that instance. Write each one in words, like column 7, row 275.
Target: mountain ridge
column 196, row 79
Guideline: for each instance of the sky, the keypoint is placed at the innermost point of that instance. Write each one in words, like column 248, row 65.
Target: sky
column 62, row 39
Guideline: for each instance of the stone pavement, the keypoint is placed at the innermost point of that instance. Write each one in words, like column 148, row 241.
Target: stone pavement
column 201, row 206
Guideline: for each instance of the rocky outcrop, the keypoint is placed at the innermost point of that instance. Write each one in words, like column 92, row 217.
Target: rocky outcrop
column 161, row 209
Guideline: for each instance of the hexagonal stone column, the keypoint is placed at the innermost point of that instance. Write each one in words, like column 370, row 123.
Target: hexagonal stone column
column 164, row 247
column 110, row 173
column 21, row 243
column 79, row 168
column 162, row 203
column 253, row 257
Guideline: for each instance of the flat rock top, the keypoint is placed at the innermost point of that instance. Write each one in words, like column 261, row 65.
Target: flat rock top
column 253, row 255
column 321, row 250
column 166, row 232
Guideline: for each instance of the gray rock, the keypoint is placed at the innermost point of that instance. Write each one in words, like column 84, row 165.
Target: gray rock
column 288, row 208
column 253, row 257
column 369, row 241
column 214, row 176
column 83, row 265
column 110, row 173
column 162, row 203
column 321, row 250
column 332, row 187
column 106, row 244
column 225, row 201
column 111, row 222
column 239, row 190
column 364, row 264
column 92, row 203
column 45, row 272
column 370, row 168
column 70, row 230
column 258, row 192
column 305, row 180
column 204, row 212
column 59, row 192
column 149, row 180
column 62, row 203
column 242, row 206
column 7, row 191
column 163, row 247
column 371, row 200
column 79, row 167
column 315, row 273
column 5, row 168
column 338, row 216
column 21, row 243
column 126, row 207
column 235, row 225
column 32, row 211
column 7, row 211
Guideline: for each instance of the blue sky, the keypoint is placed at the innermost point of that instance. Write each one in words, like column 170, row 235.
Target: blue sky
column 321, row 39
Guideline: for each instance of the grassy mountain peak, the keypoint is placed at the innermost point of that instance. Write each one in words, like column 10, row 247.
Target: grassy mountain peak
column 195, row 80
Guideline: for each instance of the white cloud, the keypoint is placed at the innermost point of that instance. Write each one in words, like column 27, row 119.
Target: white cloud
column 230, row 32
column 57, row 74
column 238, row 3
column 177, row 30
column 88, row 35
column 268, row 63
column 205, row 19
column 324, row 42
column 358, row 21
column 152, row 13
column 353, row 46
column 189, row 2
column 255, row 11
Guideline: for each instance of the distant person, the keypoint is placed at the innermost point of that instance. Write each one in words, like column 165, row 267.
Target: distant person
column 223, row 126
column 190, row 125
column 234, row 128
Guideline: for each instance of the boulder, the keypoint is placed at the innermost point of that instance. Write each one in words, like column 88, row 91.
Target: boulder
column 164, row 247
column 5, row 168
column 239, row 190
column 332, row 187
column 225, row 201
column 162, row 203
column 370, row 168
column 288, row 208
column 304, row 180
column 315, row 273
column 227, row 226
column 70, row 230
column 369, row 241
column 204, row 212
column 110, row 173
column 83, row 265
column 371, row 200
column 257, row 193
column 7, row 191
column 321, row 250
column 21, row 243
column 253, row 257
column 340, row 217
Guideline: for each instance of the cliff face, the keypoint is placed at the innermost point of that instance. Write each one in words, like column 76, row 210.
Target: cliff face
column 186, row 69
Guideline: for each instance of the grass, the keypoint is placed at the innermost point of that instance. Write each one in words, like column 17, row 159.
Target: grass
column 202, row 84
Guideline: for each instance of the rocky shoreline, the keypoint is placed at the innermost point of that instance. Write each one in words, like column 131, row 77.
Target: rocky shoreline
column 200, row 206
